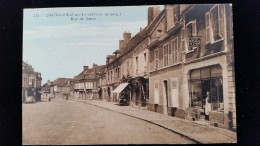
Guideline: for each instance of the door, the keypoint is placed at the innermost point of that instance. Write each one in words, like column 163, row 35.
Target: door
column 165, row 85
column 174, row 93
column 205, row 88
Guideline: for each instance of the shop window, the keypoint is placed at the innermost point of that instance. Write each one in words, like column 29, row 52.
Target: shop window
column 196, row 97
column 166, row 55
column 203, row 80
column 156, row 59
column 175, row 51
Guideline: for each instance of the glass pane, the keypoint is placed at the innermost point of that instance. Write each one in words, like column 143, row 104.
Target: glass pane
column 196, row 98
column 216, row 71
column 216, row 93
column 205, row 73
column 195, row 74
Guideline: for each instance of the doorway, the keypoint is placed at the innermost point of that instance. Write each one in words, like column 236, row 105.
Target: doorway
column 165, row 85
column 205, row 88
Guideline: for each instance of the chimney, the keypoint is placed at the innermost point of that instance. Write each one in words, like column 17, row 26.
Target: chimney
column 121, row 44
column 152, row 13
column 127, row 37
column 94, row 65
column 107, row 61
column 85, row 68
column 169, row 17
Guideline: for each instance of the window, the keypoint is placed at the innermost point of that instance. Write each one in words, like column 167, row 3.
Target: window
column 191, row 32
column 128, row 67
column 108, row 76
column 118, row 72
column 156, row 59
column 145, row 59
column 207, row 21
column 191, row 29
column 166, row 55
column 122, row 70
column 183, row 44
column 111, row 75
column 203, row 80
column 231, row 25
column 217, row 22
column 175, row 51
column 136, row 62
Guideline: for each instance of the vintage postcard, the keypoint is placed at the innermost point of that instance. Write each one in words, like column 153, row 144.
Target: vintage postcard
column 151, row 74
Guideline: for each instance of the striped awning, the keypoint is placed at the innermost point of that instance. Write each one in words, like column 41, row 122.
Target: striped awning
column 120, row 88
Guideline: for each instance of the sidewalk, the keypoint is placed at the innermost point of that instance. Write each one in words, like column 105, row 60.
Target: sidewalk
column 199, row 133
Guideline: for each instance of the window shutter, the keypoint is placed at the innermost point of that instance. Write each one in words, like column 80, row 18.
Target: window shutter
column 177, row 51
column 207, row 21
column 221, row 20
column 194, row 29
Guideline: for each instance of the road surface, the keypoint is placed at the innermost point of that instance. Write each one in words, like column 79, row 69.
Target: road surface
column 75, row 123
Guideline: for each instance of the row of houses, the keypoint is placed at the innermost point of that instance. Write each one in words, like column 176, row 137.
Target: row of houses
column 31, row 83
column 184, row 54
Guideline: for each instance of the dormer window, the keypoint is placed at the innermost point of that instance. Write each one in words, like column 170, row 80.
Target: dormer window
column 191, row 29
column 214, row 24
column 191, row 32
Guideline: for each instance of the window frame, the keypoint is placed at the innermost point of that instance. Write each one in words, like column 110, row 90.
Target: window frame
column 208, row 27
column 220, row 16
column 156, row 59
column 193, row 25
column 175, row 51
column 183, row 40
column 165, row 64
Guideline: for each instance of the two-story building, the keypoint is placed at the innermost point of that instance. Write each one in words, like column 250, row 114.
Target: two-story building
column 166, row 64
column 208, row 63
column 31, row 82
column 61, row 88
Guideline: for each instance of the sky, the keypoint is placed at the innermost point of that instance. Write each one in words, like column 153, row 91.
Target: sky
column 58, row 42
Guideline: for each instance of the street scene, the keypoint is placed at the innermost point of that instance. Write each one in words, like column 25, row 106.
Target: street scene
column 161, row 74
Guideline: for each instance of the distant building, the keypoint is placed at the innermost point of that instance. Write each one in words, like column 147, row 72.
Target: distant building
column 61, row 88
column 31, row 82
column 86, row 84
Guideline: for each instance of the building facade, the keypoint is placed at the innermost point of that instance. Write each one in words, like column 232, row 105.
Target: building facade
column 193, row 59
column 61, row 88
column 31, row 82
column 129, row 64
column 86, row 85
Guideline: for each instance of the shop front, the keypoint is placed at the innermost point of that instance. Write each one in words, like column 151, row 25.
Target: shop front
column 139, row 87
column 122, row 94
column 206, row 93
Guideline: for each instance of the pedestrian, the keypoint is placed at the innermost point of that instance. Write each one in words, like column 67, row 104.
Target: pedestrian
column 207, row 106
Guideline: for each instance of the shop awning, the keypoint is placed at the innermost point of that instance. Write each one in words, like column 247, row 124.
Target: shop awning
column 120, row 88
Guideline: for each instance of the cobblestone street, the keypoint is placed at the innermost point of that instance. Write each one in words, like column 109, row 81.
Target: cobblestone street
column 71, row 122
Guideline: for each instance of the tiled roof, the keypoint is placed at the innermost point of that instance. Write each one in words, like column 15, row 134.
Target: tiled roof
column 62, row 81
column 101, row 69
column 80, row 76
column 92, row 73
column 139, row 37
